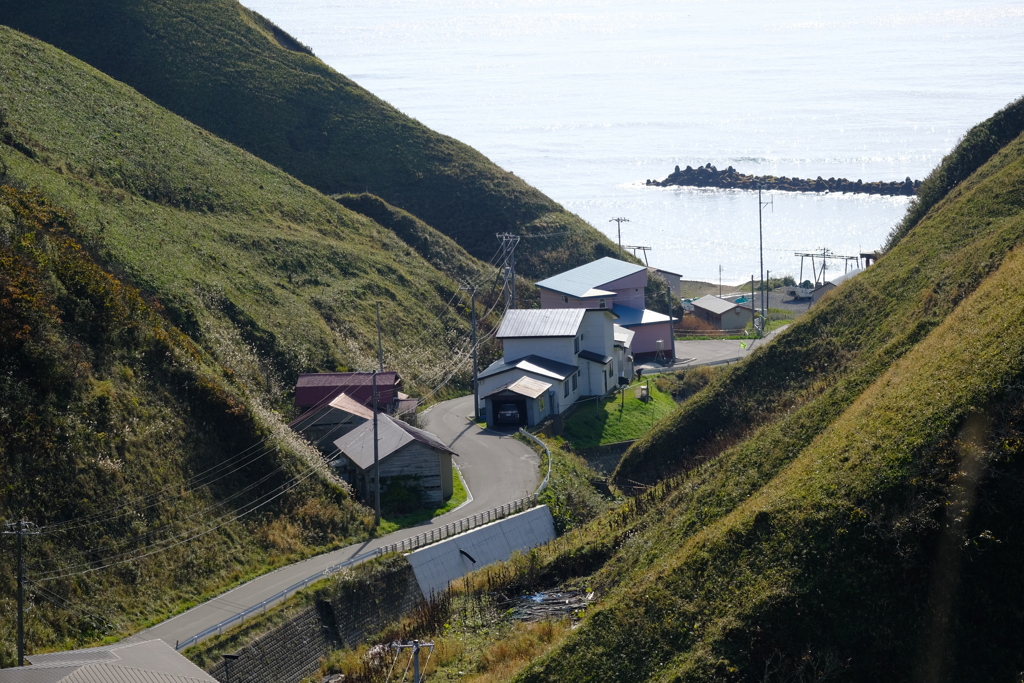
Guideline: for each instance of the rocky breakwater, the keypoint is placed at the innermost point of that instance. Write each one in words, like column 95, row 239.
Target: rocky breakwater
column 730, row 178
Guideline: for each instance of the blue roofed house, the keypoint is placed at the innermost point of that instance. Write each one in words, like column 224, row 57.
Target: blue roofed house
column 553, row 357
column 611, row 284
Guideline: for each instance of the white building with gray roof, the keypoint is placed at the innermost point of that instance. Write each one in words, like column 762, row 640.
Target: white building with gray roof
column 571, row 352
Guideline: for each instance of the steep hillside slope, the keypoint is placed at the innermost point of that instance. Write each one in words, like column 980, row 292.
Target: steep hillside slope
column 232, row 72
column 268, row 274
column 159, row 291
column 152, row 476
column 844, row 505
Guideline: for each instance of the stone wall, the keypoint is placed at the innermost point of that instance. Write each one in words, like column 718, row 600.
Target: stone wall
column 355, row 605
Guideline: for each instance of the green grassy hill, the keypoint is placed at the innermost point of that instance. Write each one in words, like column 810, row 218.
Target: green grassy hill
column 160, row 289
column 845, row 504
column 235, row 74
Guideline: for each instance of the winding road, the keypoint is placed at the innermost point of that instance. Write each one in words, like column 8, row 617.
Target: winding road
column 497, row 469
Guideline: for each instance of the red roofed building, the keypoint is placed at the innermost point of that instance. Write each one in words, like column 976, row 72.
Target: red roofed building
column 317, row 389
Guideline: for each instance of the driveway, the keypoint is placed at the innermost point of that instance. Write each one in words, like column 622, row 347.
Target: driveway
column 497, row 469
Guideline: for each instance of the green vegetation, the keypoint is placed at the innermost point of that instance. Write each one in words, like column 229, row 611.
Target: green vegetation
column 394, row 508
column 622, row 417
column 161, row 290
column 842, row 505
column 233, row 73
column 112, row 421
column 973, row 150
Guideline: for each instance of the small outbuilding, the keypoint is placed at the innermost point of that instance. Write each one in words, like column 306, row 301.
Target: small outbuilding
column 325, row 424
column 316, row 388
column 721, row 313
column 151, row 661
column 402, row 451
column 522, row 402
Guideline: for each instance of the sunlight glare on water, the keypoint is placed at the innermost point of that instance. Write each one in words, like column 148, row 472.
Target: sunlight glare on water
column 586, row 99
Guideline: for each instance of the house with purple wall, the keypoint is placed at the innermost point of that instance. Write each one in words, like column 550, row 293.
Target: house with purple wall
column 618, row 286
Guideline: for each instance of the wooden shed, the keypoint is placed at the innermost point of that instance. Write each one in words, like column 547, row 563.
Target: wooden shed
column 402, row 450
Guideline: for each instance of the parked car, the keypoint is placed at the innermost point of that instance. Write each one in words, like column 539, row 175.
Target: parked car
column 508, row 412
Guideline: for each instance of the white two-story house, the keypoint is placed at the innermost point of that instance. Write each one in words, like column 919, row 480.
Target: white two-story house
column 553, row 357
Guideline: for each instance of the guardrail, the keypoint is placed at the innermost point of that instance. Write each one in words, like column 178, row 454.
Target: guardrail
column 409, row 544
column 547, row 477
column 462, row 525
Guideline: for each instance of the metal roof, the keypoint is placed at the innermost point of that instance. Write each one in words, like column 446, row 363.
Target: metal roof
column 392, row 435
column 340, row 402
column 545, row 367
column 524, row 386
column 541, row 322
column 151, row 661
column 622, row 335
column 579, row 282
column 631, row 317
column 717, row 306
column 595, row 357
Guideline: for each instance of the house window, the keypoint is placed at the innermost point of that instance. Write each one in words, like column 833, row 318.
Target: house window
column 565, row 299
column 600, row 304
column 574, row 381
column 565, row 393
column 577, row 344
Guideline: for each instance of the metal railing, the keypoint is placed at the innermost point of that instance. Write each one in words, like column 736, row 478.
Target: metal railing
column 547, row 451
column 460, row 526
column 406, row 545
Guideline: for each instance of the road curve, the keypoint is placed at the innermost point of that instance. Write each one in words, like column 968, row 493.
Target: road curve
column 497, row 469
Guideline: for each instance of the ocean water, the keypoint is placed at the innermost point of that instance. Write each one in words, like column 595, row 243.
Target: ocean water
column 586, row 99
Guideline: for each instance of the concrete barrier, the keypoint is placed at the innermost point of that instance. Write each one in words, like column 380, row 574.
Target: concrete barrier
column 438, row 565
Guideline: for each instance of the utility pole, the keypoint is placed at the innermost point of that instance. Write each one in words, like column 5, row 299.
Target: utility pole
column 416, row 646
column 620, row 221
column 376, row 459
column 19, row 529
column 380, row 349
column 760, row 235
column 753, row 318
column 508, row 245
column 720, row 283
column 376, row 443
column 768, row 301
column 476, row 384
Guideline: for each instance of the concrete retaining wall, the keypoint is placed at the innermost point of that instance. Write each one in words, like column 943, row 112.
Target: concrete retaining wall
column 353, row 607
column 437, row 565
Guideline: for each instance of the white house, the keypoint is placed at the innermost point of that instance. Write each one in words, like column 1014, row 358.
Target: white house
column 565, row 353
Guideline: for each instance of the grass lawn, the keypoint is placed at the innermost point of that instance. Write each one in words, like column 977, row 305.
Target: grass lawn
column 389, row 523
column 616, row 419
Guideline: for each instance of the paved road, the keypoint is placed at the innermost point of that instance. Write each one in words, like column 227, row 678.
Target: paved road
column 710, row 352
column 497, row 469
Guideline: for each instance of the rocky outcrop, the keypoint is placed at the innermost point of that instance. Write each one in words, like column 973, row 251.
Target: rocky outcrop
column 730, row 178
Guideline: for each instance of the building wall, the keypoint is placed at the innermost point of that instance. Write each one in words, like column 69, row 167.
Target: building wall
column 736, row 319
column 421, row 461
column 623, row 366
column 549, row 299
column 598, row 333
column 561, row 349
column 646, row 337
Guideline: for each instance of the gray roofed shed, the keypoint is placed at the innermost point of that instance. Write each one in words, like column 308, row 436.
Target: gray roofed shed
column 586, row 280
column 392, row 435
column 151, row 661
column 541, row 322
